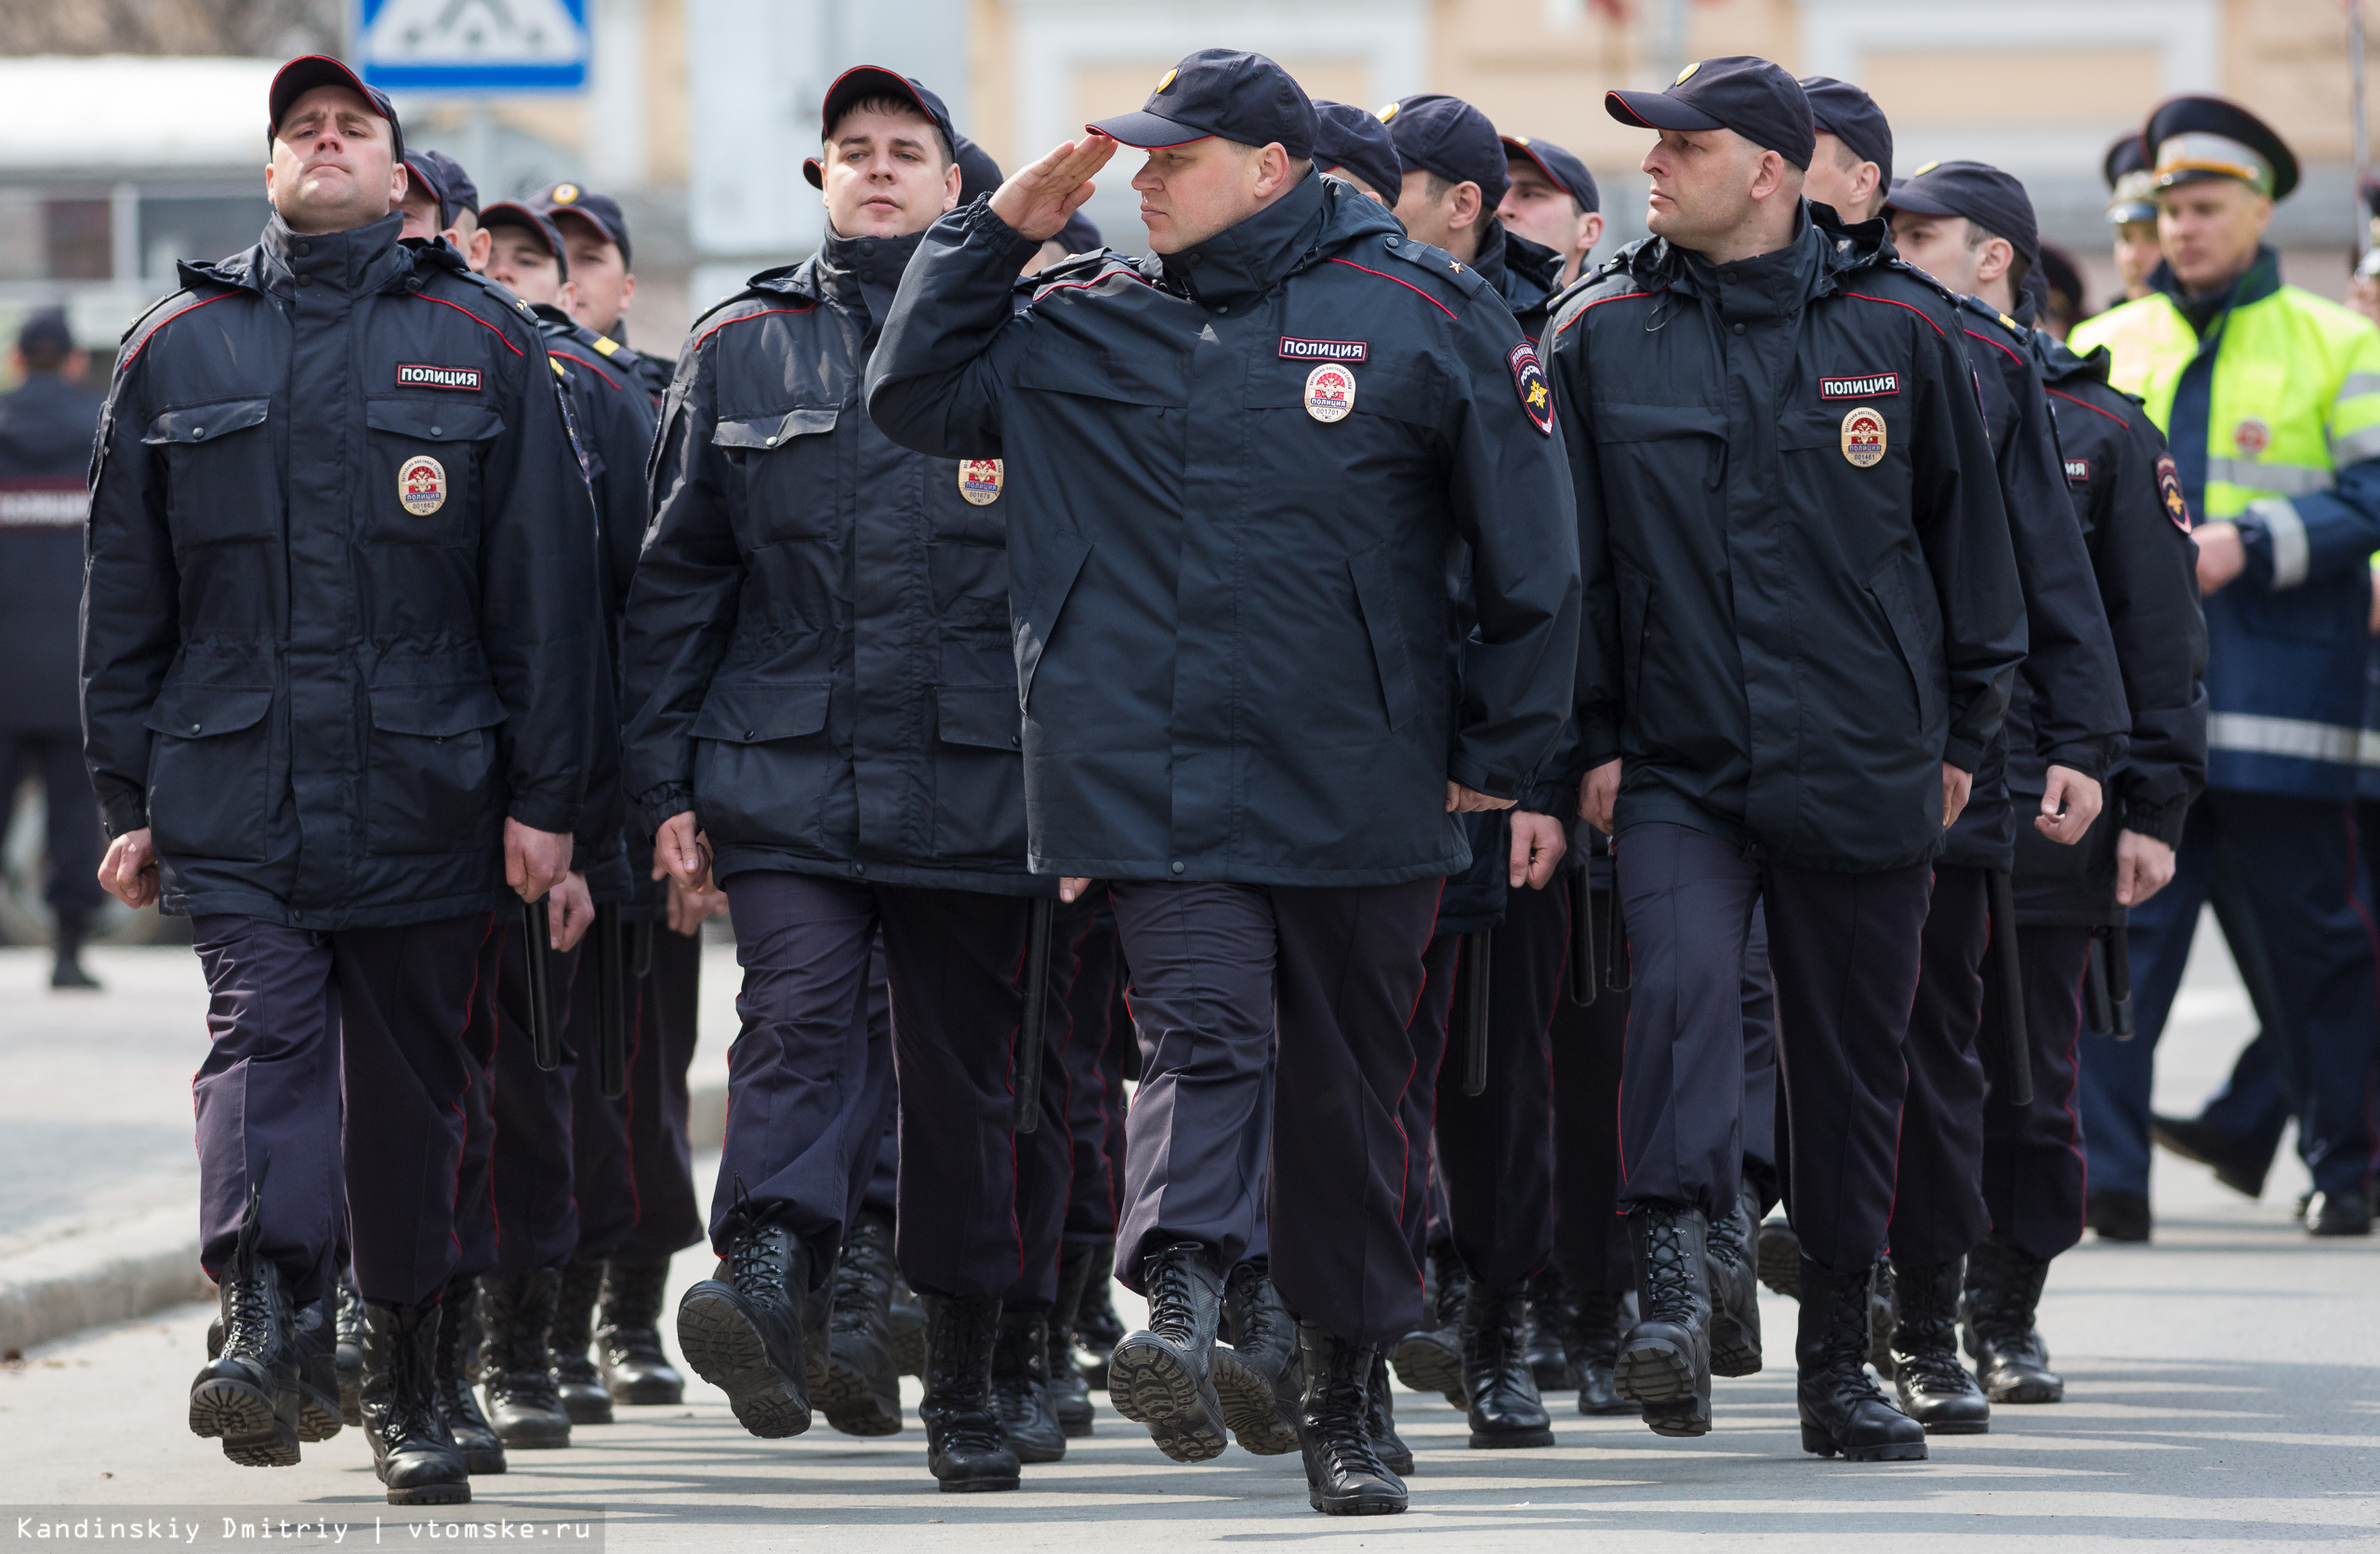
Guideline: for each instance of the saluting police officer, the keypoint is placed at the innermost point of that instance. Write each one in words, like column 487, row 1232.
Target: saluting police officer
column 1777, row 456
column 341, row 586
column 1241, row 464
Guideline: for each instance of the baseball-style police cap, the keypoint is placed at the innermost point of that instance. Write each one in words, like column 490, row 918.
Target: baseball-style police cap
column 46, row 333
column 1353, row 139
column 1239, row 96
column 1564, row 170
column 1850, row 115
column 302, row 74
column 512, row 213
column 2132, row 183
column 446, row 182
column 601, row 211
column 1751, row 95
column 862, row 82
column 1449, row 137
column 1984, row 195
column 2195, row 138
column 978, row 174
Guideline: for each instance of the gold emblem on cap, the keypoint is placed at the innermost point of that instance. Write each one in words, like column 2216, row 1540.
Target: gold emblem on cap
column 566, row 192
column 1863, row 436
column 1927, row 168
column 1168, row 79
column 1686, row 72
column 1388, row 113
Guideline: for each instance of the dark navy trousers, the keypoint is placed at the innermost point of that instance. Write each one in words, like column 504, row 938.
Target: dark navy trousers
column 650, row 1127
column 1585, row 1044
column 299, row 1022
column 2032, row 1155
column 1939, row 1212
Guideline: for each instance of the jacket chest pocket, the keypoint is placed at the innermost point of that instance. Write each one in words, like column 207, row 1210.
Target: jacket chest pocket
column 425, row 468
column 1655, row 456
column 430, row 787
column 221, row 483
column 786, row 473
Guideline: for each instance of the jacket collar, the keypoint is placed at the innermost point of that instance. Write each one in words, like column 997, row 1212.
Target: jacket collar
column 1823, row 254
column 360, row 260
column 1245, row 260
column 2260, row 280
column 1525, row 273
column 862, row 273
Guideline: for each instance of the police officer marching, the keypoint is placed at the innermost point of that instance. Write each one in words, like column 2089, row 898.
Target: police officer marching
column 337, row 528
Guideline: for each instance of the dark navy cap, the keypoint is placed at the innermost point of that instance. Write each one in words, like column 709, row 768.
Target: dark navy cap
column 1240, row 97
column 512, row 213
column 2195, row 138
column 577, row 199
column 2132, row 183
column 305, row 72
column 1449, row 137
column 1751, row 95
column 978, row 174
column 1983, row 194
column 2057, row 276
column 865, row 81
column 46, row 333
column 448, row 183
column 1851, row 116
column 1567, row 171
column 1079, row 235
column 1353, row 139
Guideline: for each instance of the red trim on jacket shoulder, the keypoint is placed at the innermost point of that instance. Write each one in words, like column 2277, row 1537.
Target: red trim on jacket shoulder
column 1894, row 302
column 746, row 318
column 585, row 363
column 163, row 322
column 476, row 319
column 1616, row 297
column 2001, row 346
column 1407, row 284
column 2094, row 409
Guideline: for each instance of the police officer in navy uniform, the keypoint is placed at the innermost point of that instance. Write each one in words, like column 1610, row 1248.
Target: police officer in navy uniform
column 1552, row 200
column 442, row 201
column 1778, row 460
column 46, row 427
column 1271, row 432
column 603, row 277
column 1352, row 145
column 340, row 587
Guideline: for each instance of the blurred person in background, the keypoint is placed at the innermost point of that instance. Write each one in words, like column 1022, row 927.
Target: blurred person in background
column 2132, row 211
column 46, row 429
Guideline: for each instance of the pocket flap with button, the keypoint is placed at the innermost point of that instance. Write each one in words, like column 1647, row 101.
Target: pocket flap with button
column 199, row 423
column 1646, row 423
column 203, row 712
column 752, row 712
column 777, row 429
column 985, row 715
column 1125, row 378
column 442, row 421
column 435, row 712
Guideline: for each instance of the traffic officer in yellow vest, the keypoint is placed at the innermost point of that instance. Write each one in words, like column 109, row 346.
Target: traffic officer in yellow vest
column 2269, row 397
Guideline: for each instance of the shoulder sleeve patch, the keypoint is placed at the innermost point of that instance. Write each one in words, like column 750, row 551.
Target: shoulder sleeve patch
column 1529, row 381
column 2169, row 488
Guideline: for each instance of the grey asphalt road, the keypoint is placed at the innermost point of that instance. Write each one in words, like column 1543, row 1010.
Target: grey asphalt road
column 2223, row 1384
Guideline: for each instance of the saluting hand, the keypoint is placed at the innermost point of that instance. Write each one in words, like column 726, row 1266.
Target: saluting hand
column 1039, row 200
column 129, row 871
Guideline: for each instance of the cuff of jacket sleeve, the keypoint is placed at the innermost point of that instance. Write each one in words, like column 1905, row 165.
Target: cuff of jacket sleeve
column 1479, row 779
column 544, row 814
column 2090, row 758
column 1966, row 754
column 124, row 814
column 2164, row 822
column 979, row 218
column 655, row 806
column 1598, row 743
column 1557, row 796
column 2274, row 536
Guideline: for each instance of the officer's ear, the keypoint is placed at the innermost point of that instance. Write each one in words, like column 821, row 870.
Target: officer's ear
column 1997, row 255
column 400, row 180
column 1463, row 208
column 950, row 186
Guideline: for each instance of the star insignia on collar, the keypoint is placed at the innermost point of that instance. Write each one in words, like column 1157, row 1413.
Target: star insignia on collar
column 1455, row 265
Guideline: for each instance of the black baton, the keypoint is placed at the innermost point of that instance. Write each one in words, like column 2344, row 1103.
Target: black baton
column 2011, row 988
column 1617, row 973
column 1478, row 953
column 1036, row 1015
column 2096, row 1013
column 1581, row 980
column 537, row 932
column 641, row 949
column 2119, row 983
column 611, row 1022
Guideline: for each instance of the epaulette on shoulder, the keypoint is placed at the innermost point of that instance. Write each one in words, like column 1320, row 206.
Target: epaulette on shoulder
column 1077, row 272
column 1434, row 261
column 501, row 295
column 1982, row 309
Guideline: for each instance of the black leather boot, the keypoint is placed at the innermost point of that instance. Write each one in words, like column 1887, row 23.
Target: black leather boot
column 1780, row 1259
column 1020, row 1387
column 2116, row 1215
column 1256, row 1373
column 524, row 1406
column 1735, row 1292
column 1428, row 1359
column 2003, row 1291
column 1344, row 1475
column 744, row 1330
column 1841, row 1412
column 1505, row 1410
column 1069, row 1393
column 411, row 1450
column 247, row 1395
column 636, row 1368
column 584, row 1395
column 964, row 1445
column 1097, row 1327
column 1380, row 1418
column 1544, row 1319
column 905, row 1316
column 1934, row 1388
column 66, row 969
column 458, row 1351
column 1591, row 1339
column 859, row 1386
column 1664, row 1364
column 314, row 1328
column 1163, row 1375
column 348, row 1352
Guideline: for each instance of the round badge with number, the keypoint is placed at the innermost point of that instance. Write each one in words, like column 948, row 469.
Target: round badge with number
column 421, row 485
column 1863, row 437
column 1329, row 392
column 979, row 480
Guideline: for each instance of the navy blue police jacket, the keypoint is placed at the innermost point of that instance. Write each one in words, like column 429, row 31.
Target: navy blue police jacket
column 1800, row 592
column 2069, row 688
column 46, row 430
column 2127, row 501
column 612, row 417
column 341, row 616
column 1238, row 475
column 817, row 657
